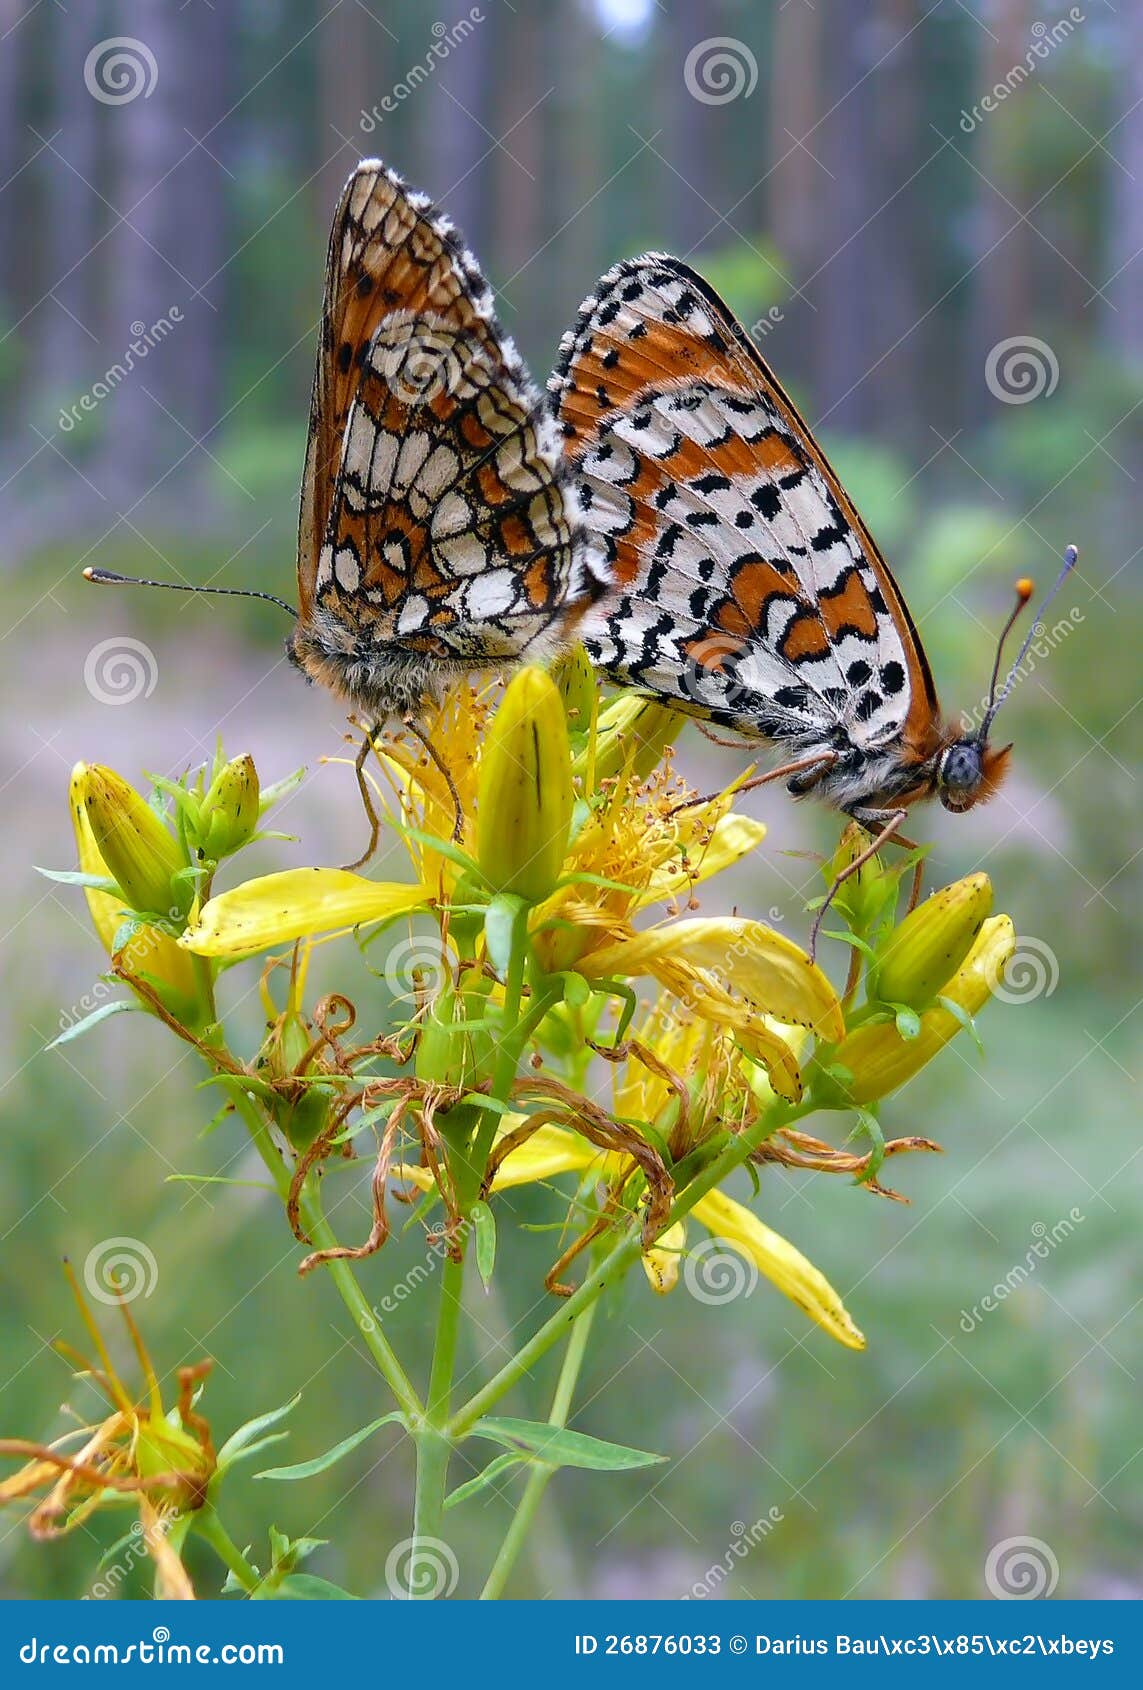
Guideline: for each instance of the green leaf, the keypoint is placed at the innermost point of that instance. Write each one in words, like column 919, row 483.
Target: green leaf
column 501, row 926
column 852, row 940
column 246, row 1435
column 908, row 1021
column 76, row 877
column 279, row 788
column 442, row 848
column 117, row 1006
column 501, row 1464
column 959, row 1013
column 307, row 1469
column 871, row 1126
column 557, row 1447
column 307, row 1587
column 485, row 1223
column 577, row 992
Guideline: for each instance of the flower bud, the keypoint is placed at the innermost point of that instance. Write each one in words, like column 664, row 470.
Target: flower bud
column 301, row 1101
column 861, row 898
column 148, row 952
column 928, row 947
column 228, row 815
column 142, row 857
column 526, row 797
column 632, row 734
column 577, row 685
column 880, row 1060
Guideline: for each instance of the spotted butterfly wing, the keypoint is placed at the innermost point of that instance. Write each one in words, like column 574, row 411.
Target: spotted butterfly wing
column 747, row 589
column 439, row 529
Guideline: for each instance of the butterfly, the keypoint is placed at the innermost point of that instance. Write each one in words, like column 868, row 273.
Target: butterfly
column 747, row 589
column 439, row 530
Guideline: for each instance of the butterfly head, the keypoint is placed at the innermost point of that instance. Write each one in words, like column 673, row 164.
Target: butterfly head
column 969, row 772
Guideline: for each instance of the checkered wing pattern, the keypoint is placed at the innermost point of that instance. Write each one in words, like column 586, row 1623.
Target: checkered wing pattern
column 439, row 526
column 747, row 589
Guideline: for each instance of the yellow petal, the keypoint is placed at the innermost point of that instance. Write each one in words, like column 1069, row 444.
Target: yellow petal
column 662, row 1261
column 278, row 908
column 767, row 968
column 734, row 837
column 549, row 1151
column 782, row 1264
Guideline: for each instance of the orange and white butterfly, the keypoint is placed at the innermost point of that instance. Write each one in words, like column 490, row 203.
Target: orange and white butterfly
column 439, row 528
column 748, row 591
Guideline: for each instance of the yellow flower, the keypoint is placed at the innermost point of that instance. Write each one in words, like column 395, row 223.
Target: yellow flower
column 551, row 1151
column 165, row 1460
column 880, row 1060
column 525, row 807
column 637, row 843
column 147, row 953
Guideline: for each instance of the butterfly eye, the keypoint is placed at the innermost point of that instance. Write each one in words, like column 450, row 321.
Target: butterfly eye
column 959, row 774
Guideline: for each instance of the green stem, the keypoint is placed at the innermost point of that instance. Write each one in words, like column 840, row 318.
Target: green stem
column 542, row 1471
column 320, row 1232
column 209, row 1526
column 468, row 1159
column 610, row 1270
column 433, row 1444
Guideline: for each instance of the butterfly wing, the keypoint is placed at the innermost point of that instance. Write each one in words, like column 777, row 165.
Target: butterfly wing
column 748, row 589
column 438, row 522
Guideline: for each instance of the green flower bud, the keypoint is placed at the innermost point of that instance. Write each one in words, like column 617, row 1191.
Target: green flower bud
column 525, row 806
column 632, row 734
column 921, row 954
column 228, row 815
column 863, row 897
column 577, row 685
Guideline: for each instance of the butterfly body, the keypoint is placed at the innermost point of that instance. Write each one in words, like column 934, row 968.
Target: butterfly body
column 748, row 591
column 439, row 529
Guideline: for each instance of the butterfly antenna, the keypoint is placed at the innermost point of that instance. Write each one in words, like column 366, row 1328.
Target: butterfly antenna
column 1024, row 591
column 108, row 578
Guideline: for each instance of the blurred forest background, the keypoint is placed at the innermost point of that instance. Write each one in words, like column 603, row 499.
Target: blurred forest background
column 931, row 218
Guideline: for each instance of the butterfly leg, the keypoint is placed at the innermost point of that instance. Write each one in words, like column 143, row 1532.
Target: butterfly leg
column 886, row 822
column 366, row 798
column 818, row 761
column 438, row 762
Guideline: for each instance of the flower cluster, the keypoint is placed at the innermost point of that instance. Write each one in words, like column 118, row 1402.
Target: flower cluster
column 582, row 1016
